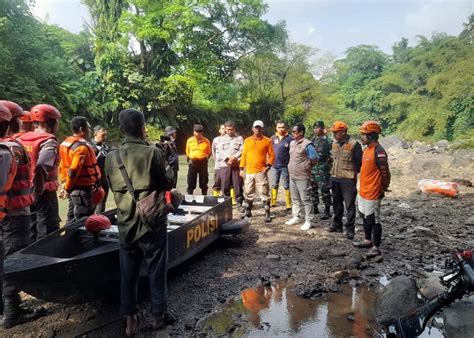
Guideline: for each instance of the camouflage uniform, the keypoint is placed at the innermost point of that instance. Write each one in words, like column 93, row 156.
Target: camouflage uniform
column 320, row 173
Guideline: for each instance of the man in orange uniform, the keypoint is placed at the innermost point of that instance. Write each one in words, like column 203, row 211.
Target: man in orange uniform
column 374, row 181
column 78, row 171
column 42, row 146
column 198, row 150
column 257, row 159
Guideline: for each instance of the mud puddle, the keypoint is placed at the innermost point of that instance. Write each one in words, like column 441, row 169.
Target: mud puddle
column 277, row 311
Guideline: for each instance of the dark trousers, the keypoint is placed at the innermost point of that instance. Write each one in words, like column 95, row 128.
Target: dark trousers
column 15, row 236
column 46, row 215
column 80, row 205
column 100, row 208
column 344, row 192
column 217, row 180
column 153, row 248
column 197, row 167
column 175, row 178
column 230, row 178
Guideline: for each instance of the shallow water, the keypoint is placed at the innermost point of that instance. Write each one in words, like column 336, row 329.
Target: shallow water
column 277, row 311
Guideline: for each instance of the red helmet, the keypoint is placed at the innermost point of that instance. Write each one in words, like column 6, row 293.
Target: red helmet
column 98, row 195
column 5, row 114
column 15, row 109
column 44, row 112
column 370, row 127
column 96, row 223
column 26, row 117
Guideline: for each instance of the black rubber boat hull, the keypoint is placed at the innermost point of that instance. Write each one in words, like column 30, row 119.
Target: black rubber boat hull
column 72, row 266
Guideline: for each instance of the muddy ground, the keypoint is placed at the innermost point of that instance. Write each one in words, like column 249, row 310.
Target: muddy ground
column 419, row 231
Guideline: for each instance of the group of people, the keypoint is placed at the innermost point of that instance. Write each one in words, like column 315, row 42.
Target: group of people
column 309, row 170
column 34, row 166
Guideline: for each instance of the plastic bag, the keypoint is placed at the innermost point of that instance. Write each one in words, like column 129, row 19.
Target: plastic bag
column 449, row 189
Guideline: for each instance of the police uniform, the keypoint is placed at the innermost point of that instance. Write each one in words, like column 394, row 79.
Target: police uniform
column 320, row 173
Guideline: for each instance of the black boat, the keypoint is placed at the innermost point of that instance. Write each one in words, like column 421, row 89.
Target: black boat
column 72, row 265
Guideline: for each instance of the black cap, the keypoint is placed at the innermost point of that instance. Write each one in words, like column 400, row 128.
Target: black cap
column 318, row 124
column 198, row 128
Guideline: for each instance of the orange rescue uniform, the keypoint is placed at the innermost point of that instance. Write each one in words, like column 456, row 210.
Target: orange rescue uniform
column 257, row 154
column 198, row 149
column 78, row 167
column 374, row 173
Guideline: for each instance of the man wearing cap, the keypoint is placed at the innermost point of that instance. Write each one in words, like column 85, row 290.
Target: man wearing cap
column 320, row 180
column 171, row 151
column 346, row 162
column 257, row 159
column 198, row 150
column 218, row 156
column 281, row 147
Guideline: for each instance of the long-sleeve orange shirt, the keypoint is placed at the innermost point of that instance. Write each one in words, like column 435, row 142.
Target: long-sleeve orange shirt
column 198, row 149
column 257, row 154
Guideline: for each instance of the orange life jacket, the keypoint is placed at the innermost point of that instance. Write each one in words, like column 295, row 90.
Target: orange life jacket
column 8, row 184
column 32, row 143
column 90, row 171
column 21, row 192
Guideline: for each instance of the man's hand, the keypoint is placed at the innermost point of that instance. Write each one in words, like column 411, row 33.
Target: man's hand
column 63, row 194
column 242, row 173
column 267, row 169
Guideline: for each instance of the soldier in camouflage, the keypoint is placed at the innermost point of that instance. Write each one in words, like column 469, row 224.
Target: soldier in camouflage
column 320, row 178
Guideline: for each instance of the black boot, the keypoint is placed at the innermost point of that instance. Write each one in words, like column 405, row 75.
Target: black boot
column 327, row 213
column 267, row 219
column 350, row 232
column 316, row 209
column 247, row 209
column 15, row 315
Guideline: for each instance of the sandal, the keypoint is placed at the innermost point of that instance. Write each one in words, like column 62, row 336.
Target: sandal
column 363, row 245
column 374, row 252
column 131, row 325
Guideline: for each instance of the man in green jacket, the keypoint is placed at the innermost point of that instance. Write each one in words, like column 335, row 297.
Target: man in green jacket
column 148, row 171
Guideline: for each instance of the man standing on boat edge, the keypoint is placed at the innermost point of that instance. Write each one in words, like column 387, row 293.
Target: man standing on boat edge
column 148, row 171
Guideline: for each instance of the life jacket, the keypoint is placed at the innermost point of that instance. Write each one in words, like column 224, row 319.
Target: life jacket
column 21, row 193
column 90, row 171
column 343, row 165
column 8, row 184
column 17, row 135
column 32, row 142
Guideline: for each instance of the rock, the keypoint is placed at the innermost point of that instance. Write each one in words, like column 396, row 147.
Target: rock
column 443, row 144
column 458, row 319
column 393, row 141
column 421, row 165
column 273, row 257
column 469, row 221
column 428, row 268
column 370, row 272
column 386, row 213
column 333, row 287
column 355, row 260
column 48, row 333
column 337, row 275
column 423, row 149
column 396, row 299
column 423, row 231
column 378, row 259
column 463, row 182
column 430, row 287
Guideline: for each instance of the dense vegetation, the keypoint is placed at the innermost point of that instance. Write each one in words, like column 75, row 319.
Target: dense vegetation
column 185, row 61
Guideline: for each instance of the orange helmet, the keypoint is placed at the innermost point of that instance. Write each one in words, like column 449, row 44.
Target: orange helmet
column 15, row 109
column 370, row 127
column 44, row 112
column 338, row 126
column 96, row 223
column 5, row 114
column 26, row 117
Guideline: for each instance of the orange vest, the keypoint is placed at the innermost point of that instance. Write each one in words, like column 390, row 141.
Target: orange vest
column 21, row 192
column 89, row 173
column 370, row 176
column 32, row 142
column 11, row 176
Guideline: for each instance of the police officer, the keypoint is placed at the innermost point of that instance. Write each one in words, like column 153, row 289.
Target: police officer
column 147, row 171
column 78, row 171
column 320, row 175
column 218, row 156
column 43, row 148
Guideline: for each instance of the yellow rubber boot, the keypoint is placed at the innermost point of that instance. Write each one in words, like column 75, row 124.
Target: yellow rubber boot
column 215, row 193
column 273, row 201
column 232, row 195
column 288, row 199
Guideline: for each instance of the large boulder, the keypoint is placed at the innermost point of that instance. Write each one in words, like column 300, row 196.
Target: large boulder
column 458, row 319
column 430, row 287
column 420, row 165
column 396, row 299
column 393, row 141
